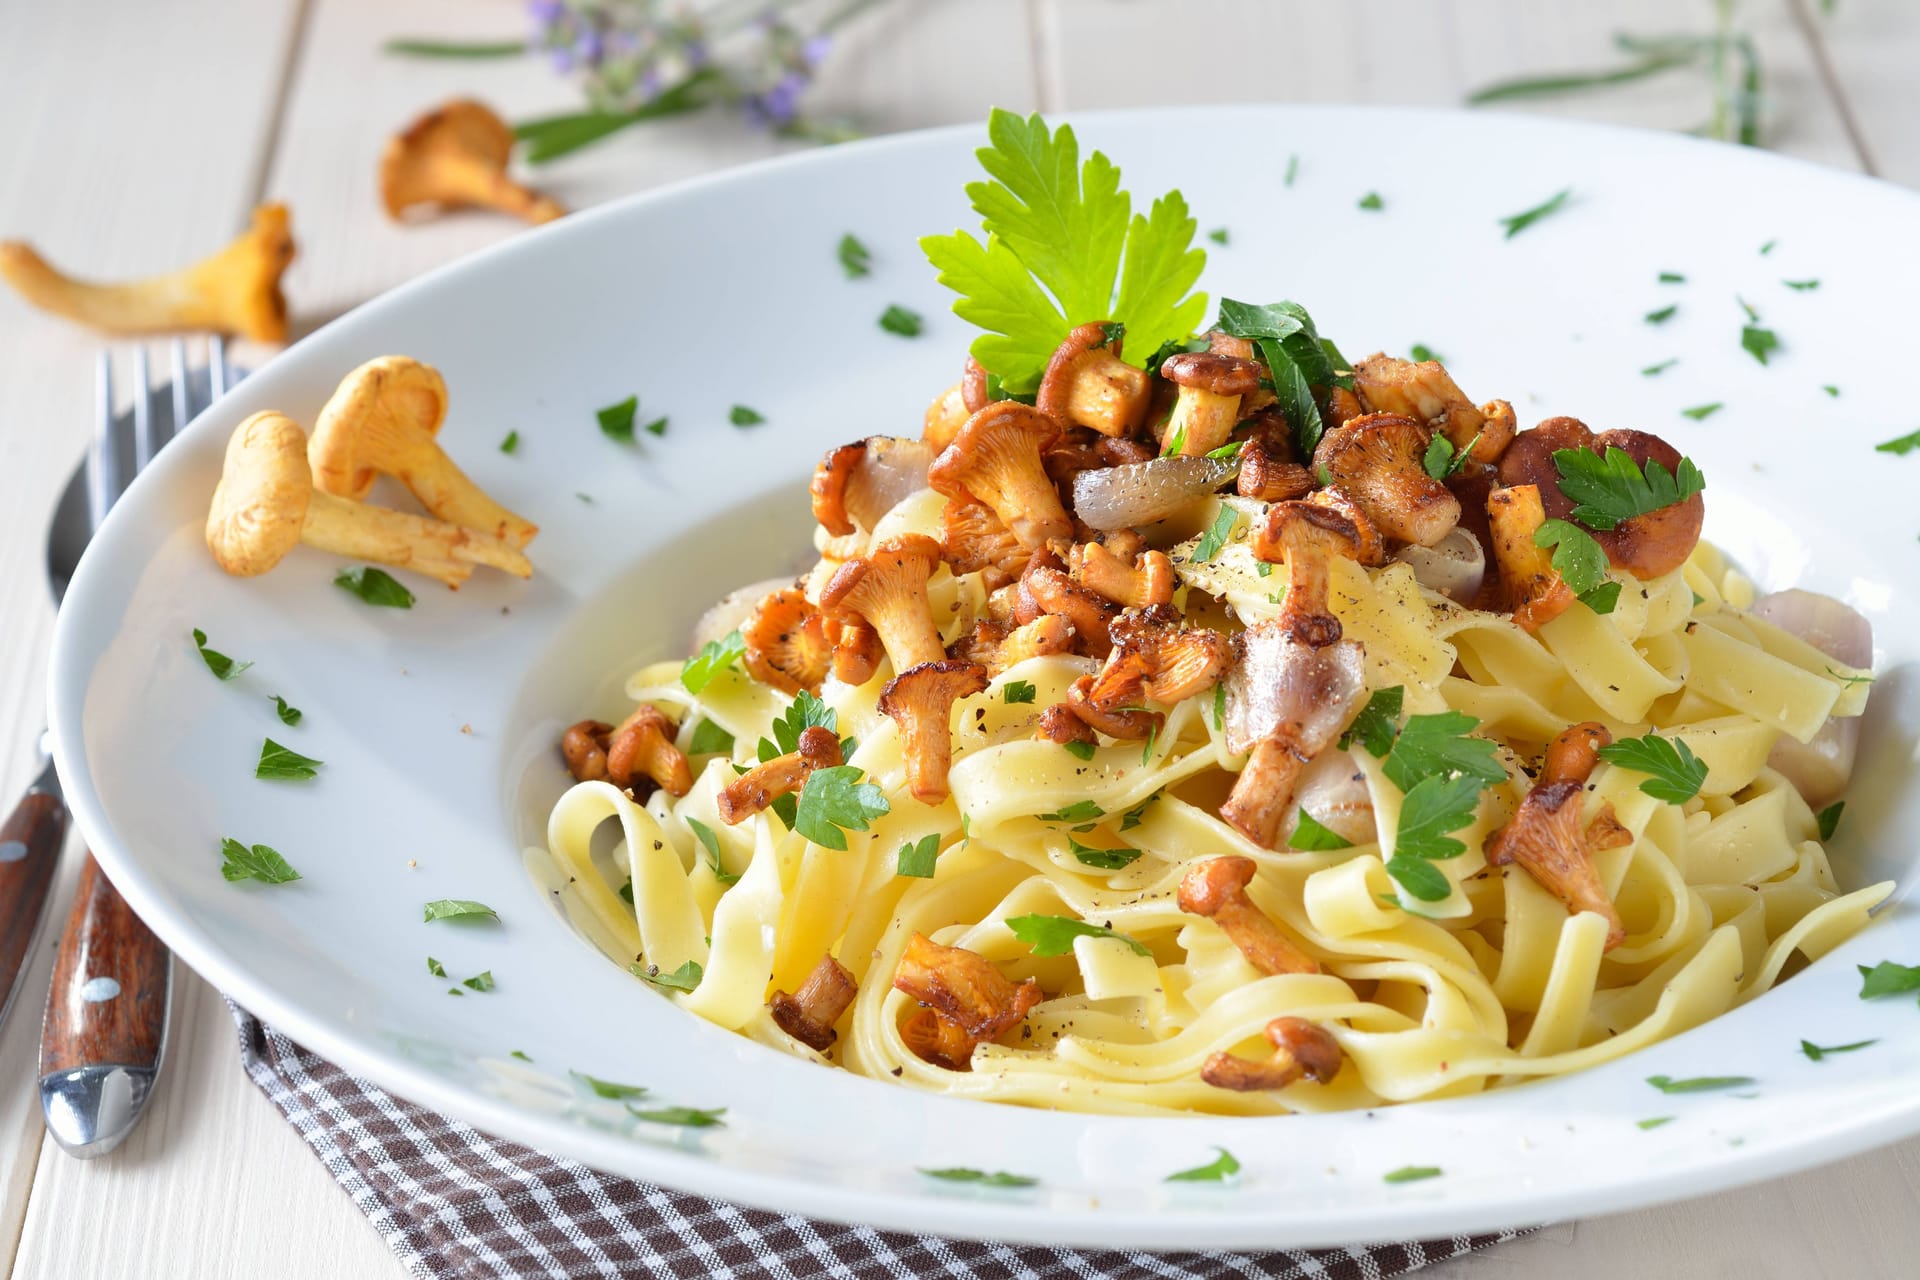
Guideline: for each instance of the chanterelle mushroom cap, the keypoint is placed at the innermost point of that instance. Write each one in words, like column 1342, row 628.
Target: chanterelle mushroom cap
column 1426, row 391
column 1217, row 889
column 1208, row 404
column 236, row 291
column 1548, row 838
column 996, row 459
column 856, row 484
column 920, row 701
column 260, row 505
column 1379, row 460
column 1087, row 384
column 456, row 155
column 384, row 417
column 888, row 588
column 1301, row 1049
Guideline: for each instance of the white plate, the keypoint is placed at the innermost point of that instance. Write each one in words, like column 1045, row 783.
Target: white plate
column 727, row 291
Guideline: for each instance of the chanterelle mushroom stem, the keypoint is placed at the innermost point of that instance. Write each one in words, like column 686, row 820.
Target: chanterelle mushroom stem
column 888, row 588
column 584, row 747
column 1208, row 403
column 1426, row 392
column 235, row 291
column 1550, row 840
column 759, row 786
column 1301, row 1050
column 1087, row 384
column 1217, row 888
column 456, row 156
column 643, row 746
column 1534, row 590
column 920, row 701
column 965, row 989
column 384, row 417
column 265, row 504
column 808, row 1014
column 996, row 459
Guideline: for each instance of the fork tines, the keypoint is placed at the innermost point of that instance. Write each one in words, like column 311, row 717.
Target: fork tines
column 113, row 460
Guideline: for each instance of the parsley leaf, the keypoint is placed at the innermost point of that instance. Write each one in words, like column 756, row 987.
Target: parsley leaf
column 1297, row 357
column 1831, row 390
column 1652, row 1122
column 1828, row 819
column 1900, row 446
column 375, row 586
column 1663, row 315
column 1698, row 1084
column 685, row 978
column 805, row 712
column 709, row 739
column 897, row 319
column 1131, row 818
column 459, row 909
column 1372, row 202
column 281, row 764
column 1759, row 343
column 1527, row 217
column 1063, row 248
column 1436, row 806
column 687, row 1117
column 1412, row 1173
column 1613, row 488
column 518, row 1054
column 1418, row 877
column 1378, row 723
column 1309, row 834
column 834, row 801
column 918, row 858
column 741, row 416
column 288, row 713
column 616, row 420
column 1105, row 859
column 714, row 657
column 1674, row 773
column 1218, row 235
column 1079, row 750
column 1016, row 691
column 1293, row 169
column 1218, row 1170
column 1672, row 277
column 1654, row 370
column 1801, row 285
column 981, row 1177
column 254, row 862
column 855, row 260
column 1439, row 458
column 658, row 427
column 1051, row 936
column 1816, row 1052
column 1078, row 811
column 435, row 968
column 608, row 1088
column 1701, row 412
column 1580, row 562
column 218, row 663
column 1218, row 534
column 482, row 981
column 711, row 843
column 1888, row 979
column 1439, row 744
column 511, row 443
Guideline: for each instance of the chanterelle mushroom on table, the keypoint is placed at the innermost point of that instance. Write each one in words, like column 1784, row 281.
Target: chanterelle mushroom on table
column 235, row 291
column 1550, row 838
column 455, row 156
column 266, row 504
column 384, row 417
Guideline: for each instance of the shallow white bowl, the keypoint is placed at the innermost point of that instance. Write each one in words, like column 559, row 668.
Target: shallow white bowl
column 727, row 291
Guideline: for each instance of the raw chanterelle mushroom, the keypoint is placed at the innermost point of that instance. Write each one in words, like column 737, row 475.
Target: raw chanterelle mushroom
column 235, row 291
column 455, row 156
column 383, row 417
column 266, row 504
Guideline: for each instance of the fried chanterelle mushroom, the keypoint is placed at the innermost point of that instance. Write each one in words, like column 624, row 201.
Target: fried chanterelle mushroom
column 808, row 1014
column 1301, row 1050
column 1552, row 839
column 968, row 1001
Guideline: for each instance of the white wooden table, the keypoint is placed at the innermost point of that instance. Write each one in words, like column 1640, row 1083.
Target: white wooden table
column 136, row 134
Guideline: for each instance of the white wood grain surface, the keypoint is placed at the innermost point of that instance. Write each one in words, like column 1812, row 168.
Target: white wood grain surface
column 136, row 133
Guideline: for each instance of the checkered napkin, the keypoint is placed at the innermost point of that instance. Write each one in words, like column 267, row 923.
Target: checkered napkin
column 451, row 1202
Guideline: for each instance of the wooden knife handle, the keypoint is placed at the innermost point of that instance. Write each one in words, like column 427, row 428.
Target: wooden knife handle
column 30, row 842
column 108, row 1004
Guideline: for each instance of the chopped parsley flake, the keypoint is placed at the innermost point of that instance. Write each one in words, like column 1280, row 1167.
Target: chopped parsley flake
column 254, row 862
column 1218, row 534
column 288, row 713
column 1105, row 859
column 1674, row 773
column 1758, row 342
column 1310, row 835
column 1828, row 819
column 1816, row 1052
column 608, row 1088
column 855, row 260
column 1801, row 285
column 1521, row 221
column 1653, row 1122
column 1888, row 979
column 616, row 420
column 898, row 320
column 1051, row 936
column 1662, row 315
column 459, row 909
column 1422, row 352
column 685, row 978
column 1900, row 446
column 1016, row 691
column 1218, row 1170
column 981, row 1177
column 1655, row 370
column 511, row 443
column 1698, row 1084
column 1412, row 1173
column 1218, row 235
column 1372, row 202
column 1079, row 750
column 1701, row 412
column 218, row 663
column 375, row 586
column 435, row 968
column 711, row 843
column 282, row 764
column 918, row 858
column 741, row 416
column 1078, row 811
column 482, row 981
column 1672, row 277
column 714, row 657
column 686, row 1117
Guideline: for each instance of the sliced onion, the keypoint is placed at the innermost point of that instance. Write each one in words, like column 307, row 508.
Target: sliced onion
column 731, row 611
column 1280, row 683
column 1452, row 566
column 1143, row 493
column 1334, row 793
column 893, row 470
column 1819, row 769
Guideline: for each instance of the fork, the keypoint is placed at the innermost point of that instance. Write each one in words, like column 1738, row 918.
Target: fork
column 104, row 1037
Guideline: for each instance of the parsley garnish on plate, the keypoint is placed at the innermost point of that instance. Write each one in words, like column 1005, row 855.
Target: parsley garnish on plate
column 1900, row 446
column 1801, row 285
column 1674, row 773
column 1701, row 412
column 1672, row 277
column 919, row 857
column 1015, row 691
column 1758, row 342
column 282, row 764
column 459, row 909
column 218, row 663
column 1831, row 390
column 1815, row 1052
column 1218, row 1170
column 1378, row 723
column 616, row 420
column 741, row 416
column 1699, row 1084
column 521, row 1056
column 1104, row 859
column 1420, row 351
column 1655, row 370
column 1313, row 837
column 981, row 1177
column 1663, row 315
column 1653, row 1122
column 1218, row 534
column 899, row 320
column 1412, row 1173
column 686, row 1117
column 1051, row 936
column 834, row 801
column 1767, row 248
column 685, row 978
column 1888, row 979
column 658, row 427
column 1527, row 217
column 1064, row 246
column 511, row 443
column 608, row 1088
column 714, row 657
column 855, row 260
column 1293, row 169
column 1372, row 202
column 1614, row 488
column 1828, row 819
column 288, row 713
column 254, row 862
column 482, row 981
column 711, row 843
column 375, row 586
column 435, row 968
column 1581, row 563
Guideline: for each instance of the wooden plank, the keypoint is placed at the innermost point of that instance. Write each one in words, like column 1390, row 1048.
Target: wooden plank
column 132, row 144
column 1870, row 48
column 1418, row 54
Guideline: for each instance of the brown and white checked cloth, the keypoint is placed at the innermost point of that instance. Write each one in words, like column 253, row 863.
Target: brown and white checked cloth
column 451, row 1201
